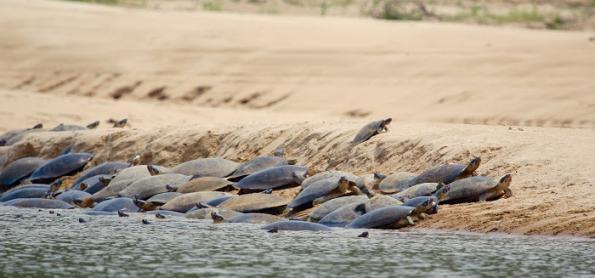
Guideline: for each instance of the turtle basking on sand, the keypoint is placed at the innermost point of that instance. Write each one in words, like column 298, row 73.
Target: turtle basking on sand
column 371, row 129
column 113, row 205
column 93, row 184
column 323, row 190
column 422, row 189
column 387, row 217
column 381, row 201
column 38, row 203
column 185, row 202
column 396, row 182
column 27, row 191
column 477, row 188
column 205, row 184
column 63, row 165
column 147, row 187
column 106, row 168
column 207, row 167
column 423, row 205
column 14, row 136
column 344, row 215
column 19, row 170
column 295, row 225
column 334, row 204
column 157, row 200
column 272, row 178
column 70, row 196
column 258, row 164
column 66, row 127
column 255, row 202
column 360, row 182
column 447, row 173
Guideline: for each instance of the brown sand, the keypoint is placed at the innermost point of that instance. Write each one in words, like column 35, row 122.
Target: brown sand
column 207, row 84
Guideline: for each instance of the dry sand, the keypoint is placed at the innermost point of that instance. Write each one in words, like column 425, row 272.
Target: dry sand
column 209, row 84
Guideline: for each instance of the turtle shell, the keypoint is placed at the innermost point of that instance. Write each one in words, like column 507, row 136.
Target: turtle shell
column 113, row 205
column 315, row 190
column 153, row 185
column 204, row 184
column 71, row 195
column 257, row 164
column 163, row 198
column 344, row 215
column 19, row 170
column 60, row 166
column 396, row 182
column 93, row 184
column 273, row 178
column 468, row 189
column 185, row 202
column 382, row 217
column 39, row 203
column 422, row 189
column 254, row 202
column 447, row 173
column 255, row 218
column 368, row 131
column 106, row 168
column 295, row 225
column 63, row 127
column 381, row 201
column 29, row 191
column 334, row 204
column 207, row 167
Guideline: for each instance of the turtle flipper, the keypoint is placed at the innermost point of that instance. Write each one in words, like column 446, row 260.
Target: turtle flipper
column 507, row 193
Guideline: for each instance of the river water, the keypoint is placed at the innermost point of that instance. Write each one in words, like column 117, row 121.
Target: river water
column 39, row 243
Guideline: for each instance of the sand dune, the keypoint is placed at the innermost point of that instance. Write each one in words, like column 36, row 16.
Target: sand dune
column 204, row 84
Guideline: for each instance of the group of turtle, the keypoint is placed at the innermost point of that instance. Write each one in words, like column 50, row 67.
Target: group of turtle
column 255, row 191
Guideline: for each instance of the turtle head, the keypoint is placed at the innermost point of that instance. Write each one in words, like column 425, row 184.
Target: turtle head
column 378, row 177
column 217, row 218
column 505, row 180
column 144, row 205
column 291, row 161
column 425, row 206
column 384, row 124
column 279, row 152
column 55, row 185
column 361, row 208
column 343, row 185
column 473, row 165
column 93, row 125
column 37, row 126
column 170, row 188
column 84, row 203
column 104, row 181
column 152, row 170
column 442, row 193
column 83, row 186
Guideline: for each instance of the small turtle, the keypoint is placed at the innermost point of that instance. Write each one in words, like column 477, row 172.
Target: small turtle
column 185, row 202
column 153, row 185
column 205, row 184
column 118, row 123
column 422, row 189
column 478, row 188
column 295, row 225
column 14, row 136
column 254, row 218
column 30, row 191
column 344, row 215
column 337, row 174
column 325, row 189
column 217, row 201
column 255, row 202
column 205, row 213
column 66, row 127
column 396, row 182
column 63, row 165
column 157, row 200
column 381, row 201
column 39, row 203
column 70, row 196
column 257, row 164
column 387, row 217
column 106, row 168
column 19, row 170
column 207, row 167
column 93, row 184
column 447, row 173
column 272, row 178
column 334, row 204
column 423, row 205
column 113, row 205
column 371, row 129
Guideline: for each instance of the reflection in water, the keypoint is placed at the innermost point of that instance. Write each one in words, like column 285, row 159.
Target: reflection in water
column 35, row 243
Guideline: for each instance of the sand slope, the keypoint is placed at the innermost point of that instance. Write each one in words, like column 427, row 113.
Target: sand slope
column 202, row 84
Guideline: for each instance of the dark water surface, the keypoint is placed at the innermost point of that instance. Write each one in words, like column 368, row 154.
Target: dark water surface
column 39, row 243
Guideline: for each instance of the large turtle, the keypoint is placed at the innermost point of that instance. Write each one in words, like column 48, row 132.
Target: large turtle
column 295, row 225
column 257, row 164
column 344, row 215
column 272, row 178
column 334, row 204
column 185, row 202
column 360, row 182
column 14, row 136
column 387, row 217
column 19, row 170
column 381, row 201
column 106, row 168
column 205, row 184
column 68, row 127
column 477, row 188
column 29, row 191
column 39, row 203
column 147, row 187
column 422, row 189
column 157, row 200
column 207, row 167
column 93, row 184
column 252, row 218
column 447, row 173
column 113, row 205
column 70, row 196
column 396, row 182
column 371, row 129
column 206, row 213
column 326, row 189
column 63, row 165
column 255, row 202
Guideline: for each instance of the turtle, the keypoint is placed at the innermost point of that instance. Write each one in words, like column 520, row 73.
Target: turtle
column 157, row 200
column 153, row 185
column 381, row 201
column 334, row 204
column 477, row 188
column 205, row 213
column 253, row 218
column 19, row 170
column 344, row 215
column 93, row 184
column 337, row 174
column 113, row 205
column 14, row 136
column 185, row 202
column 205, row 184
column 217, row 201
column 272, row 178
column 67, row 127
column 106, row 168
column 30, row 191
column 447, row 173
column 257, row 164
column 395, row 182
column 422, row 189
column 423, row 205
column 118, row 123
column 70, row 196
column 207, row 167
column 371, row 129
column 63, row 165
column 387, row 217
column 325, row 189
column 295, row 225
column 39, row 203
column 255, row 202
